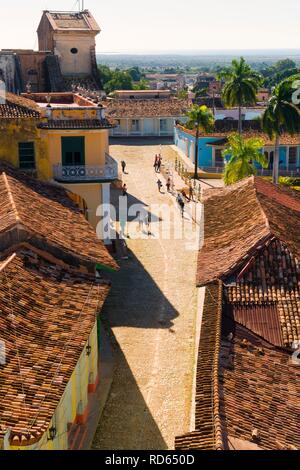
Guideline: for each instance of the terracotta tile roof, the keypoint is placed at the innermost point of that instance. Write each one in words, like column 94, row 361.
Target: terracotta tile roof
column 208, row 432
column 46, row 317
column 76, row 124
column 118, row 109
column 44, row 214
column 248, row 132
column 259, row 389
column 266, row 297
column 72, row 21
column 246, row 379
column 16, row 107
column 243, row 384
column 240, row 219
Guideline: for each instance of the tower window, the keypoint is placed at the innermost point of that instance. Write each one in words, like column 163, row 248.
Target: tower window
column 74, row 50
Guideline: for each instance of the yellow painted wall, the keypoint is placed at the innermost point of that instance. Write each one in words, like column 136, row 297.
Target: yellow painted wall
column 92, row 194
column 75, row 393
column 24, row 130
column 96, row 145
column 73, row 113
column 48, row 152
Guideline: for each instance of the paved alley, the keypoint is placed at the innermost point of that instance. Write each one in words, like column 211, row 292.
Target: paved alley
column 151, row 316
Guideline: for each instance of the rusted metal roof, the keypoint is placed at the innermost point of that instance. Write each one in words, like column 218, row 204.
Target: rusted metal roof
column 261, row 319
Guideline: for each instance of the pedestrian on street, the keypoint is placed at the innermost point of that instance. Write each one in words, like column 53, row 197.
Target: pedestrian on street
column 158, row 165
column 159, row 185
column 181, row 203
column 155, row 163
column 168, row 184
column 123, row 164
column 140, row 221
column 191, row 193
column 124, row 189
column 148, row 223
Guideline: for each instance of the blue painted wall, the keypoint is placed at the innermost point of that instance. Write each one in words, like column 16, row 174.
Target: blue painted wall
column 185, row 141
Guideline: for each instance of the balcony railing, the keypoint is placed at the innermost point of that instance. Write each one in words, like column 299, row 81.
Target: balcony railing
column 86, row 173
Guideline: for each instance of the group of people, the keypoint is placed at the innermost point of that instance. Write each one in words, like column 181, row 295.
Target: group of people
column 157, row 163
column 169, row 185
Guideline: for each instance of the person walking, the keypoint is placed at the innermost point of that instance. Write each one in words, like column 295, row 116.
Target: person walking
column 191, row 193
column 181, row 203
column 155, row 163
column 123, row 164
column 168, row 184
column 140, row 218
column 159, row 185
column 158, row 165
column 148, row 223
column 124, row 189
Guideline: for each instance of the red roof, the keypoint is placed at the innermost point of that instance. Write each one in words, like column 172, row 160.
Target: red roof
column 46, row 316
column 18, row 107
column 238, row 221
column 44, row 214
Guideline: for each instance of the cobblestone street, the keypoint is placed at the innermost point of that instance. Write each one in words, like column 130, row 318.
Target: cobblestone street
column 151, row 317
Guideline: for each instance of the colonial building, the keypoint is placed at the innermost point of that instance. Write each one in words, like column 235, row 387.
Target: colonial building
column 50, row 300
column 66, row 57
column 248, row 377
column 150, row 113
column 164, row 81
column 61, row 137
column 211, row 146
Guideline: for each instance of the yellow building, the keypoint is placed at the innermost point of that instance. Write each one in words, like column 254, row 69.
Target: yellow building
column 50, row 300
column 62, row 137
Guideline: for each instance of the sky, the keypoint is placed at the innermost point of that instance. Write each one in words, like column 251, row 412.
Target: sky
column 166, row 25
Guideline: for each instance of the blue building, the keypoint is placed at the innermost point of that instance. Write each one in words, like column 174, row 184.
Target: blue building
column 210, row 148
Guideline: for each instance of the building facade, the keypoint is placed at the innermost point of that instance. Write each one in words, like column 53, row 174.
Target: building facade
column 66, row 57
column 49, row 259
column 211, row 146
column 61, row 137
column 247, row 374
column 147, row 113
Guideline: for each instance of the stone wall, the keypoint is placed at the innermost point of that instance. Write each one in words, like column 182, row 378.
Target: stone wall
column 9, row 72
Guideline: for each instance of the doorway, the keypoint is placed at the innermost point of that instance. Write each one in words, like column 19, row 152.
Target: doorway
column 73, row 151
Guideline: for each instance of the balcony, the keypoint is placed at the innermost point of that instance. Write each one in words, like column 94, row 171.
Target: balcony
column 87, row 173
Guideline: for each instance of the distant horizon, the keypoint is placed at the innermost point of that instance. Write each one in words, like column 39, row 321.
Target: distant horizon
column 200, row 52
column 166, row 27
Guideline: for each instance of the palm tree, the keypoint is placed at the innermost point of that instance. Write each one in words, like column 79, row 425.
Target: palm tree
column 201, row 118
column 241, row 86
column 281, row 116
column 243, row 153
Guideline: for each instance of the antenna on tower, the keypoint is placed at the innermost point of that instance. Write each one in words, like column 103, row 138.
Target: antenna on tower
column 80, row 5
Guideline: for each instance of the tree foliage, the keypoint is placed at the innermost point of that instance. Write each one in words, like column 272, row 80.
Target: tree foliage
column 278, row 72
column 241, row 84
column 242, row 153
column 282, row 115
column 201, row 118
column 121, row 79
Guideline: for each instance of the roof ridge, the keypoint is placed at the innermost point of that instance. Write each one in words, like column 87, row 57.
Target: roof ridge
column 260, row 205
column 7, row 261
column 11, row 198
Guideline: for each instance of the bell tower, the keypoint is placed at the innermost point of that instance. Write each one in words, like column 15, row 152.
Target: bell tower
column 71, row 36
